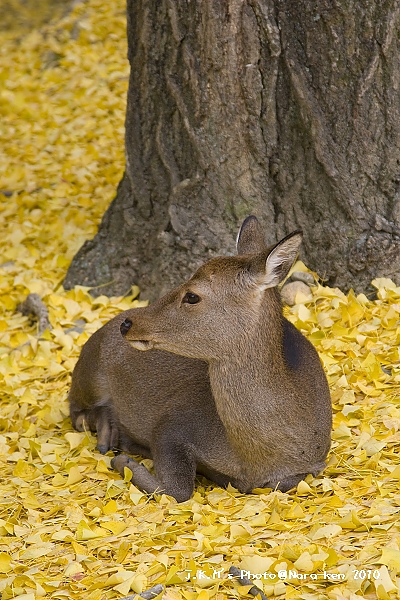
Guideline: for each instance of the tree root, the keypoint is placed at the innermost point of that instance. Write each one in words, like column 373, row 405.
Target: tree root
column 254, row 591
column 33, row 305
column 148, row 594
column 157, row 589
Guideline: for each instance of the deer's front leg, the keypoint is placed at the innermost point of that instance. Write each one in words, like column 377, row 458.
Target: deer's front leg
column 175, row 473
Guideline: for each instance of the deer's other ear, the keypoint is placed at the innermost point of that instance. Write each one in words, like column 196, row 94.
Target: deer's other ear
column 250, row 239
column 280, row 259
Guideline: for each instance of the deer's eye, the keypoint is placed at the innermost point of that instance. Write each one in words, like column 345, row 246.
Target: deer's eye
column 190, row 298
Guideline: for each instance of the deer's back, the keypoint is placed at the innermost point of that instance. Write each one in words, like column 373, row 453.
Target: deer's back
column 311, row 408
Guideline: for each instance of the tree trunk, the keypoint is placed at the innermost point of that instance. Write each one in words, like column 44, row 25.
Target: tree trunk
column 289, row 110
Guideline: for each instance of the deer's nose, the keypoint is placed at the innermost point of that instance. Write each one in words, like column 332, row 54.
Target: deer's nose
column 125, row 326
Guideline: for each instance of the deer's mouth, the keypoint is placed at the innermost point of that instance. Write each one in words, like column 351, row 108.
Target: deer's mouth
column 142, row 345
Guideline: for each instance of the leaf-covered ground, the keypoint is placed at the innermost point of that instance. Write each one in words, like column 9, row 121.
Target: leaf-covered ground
column 69, row 526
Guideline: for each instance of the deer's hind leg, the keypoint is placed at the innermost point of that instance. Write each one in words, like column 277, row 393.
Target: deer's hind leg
column 98, row 418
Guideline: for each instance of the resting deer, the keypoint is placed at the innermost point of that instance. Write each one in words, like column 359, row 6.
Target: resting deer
column 210, row 378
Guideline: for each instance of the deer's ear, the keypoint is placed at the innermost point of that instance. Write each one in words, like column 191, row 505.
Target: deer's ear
column 280, row 259
column 250, row 239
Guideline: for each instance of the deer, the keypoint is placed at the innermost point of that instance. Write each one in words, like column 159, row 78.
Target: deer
column 209, row 379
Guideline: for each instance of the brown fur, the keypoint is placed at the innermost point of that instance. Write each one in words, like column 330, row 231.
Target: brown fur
column 227, row 386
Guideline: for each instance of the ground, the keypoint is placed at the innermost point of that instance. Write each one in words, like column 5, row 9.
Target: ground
column 70, row 527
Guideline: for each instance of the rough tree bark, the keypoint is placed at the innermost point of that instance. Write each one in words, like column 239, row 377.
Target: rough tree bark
column 288, row 109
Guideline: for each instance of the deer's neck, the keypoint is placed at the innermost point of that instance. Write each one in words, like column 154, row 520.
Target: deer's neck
column 248, row 384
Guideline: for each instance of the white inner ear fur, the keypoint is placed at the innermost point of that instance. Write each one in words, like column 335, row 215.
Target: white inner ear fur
column 280, row 260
